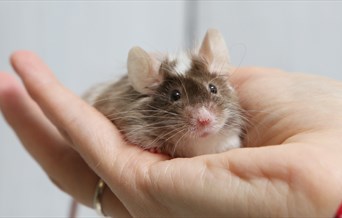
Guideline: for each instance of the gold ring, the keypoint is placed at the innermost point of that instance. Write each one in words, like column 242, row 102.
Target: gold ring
column 98, row 196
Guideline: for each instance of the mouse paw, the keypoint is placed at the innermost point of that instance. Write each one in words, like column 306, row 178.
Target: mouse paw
column 155, row 150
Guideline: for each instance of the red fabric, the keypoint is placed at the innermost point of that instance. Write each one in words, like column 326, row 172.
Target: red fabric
column 339, row 212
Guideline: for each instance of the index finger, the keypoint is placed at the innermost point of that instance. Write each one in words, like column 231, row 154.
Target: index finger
column 92, row 135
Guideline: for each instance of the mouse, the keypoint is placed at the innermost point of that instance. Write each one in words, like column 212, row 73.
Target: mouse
column 179, row 104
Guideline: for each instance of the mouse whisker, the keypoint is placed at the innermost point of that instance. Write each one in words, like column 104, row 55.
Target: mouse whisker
column 178, row 141
column 152, row 126
column 168, row 112
column 142, row 111
column 178, row 130
column 109, row 98
column 160, row 138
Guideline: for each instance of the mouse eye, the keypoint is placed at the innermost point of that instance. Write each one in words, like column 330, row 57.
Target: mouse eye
column 212, row 89
column 175, row 95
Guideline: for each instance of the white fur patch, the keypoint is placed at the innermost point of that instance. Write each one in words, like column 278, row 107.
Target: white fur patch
column 213, row 144
column 183, row 62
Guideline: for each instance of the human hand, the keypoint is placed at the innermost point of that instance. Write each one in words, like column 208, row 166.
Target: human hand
column 297, row 174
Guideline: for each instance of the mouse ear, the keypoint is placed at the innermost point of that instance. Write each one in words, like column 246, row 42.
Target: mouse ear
column 143, row 70
column 214, row 51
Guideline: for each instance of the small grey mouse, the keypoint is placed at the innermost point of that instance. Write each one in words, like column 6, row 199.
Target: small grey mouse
column 182, row 105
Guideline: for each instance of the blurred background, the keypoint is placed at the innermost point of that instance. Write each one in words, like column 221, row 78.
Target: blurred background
column 85, row 42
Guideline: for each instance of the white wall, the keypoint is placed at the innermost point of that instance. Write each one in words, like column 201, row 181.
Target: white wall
column 87, row 42
column 293, row 35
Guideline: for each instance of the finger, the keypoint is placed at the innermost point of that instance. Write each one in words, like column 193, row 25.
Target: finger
column 93, row 136
column 28, row 121
column 63, row 165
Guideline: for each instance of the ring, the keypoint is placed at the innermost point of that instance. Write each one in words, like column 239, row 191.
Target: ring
column 98, row 196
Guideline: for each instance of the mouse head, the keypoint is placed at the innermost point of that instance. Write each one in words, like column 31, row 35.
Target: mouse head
column 189, row 91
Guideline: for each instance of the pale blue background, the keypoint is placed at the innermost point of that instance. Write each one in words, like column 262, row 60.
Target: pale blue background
column 86, row 42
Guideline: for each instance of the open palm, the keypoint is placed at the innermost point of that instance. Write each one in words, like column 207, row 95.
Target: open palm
column 290, row 165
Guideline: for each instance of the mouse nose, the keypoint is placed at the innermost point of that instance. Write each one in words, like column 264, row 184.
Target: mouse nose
column 203, row 117
column 203, row 121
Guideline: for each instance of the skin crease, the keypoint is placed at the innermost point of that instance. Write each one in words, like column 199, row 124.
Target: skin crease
column 290, row 168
